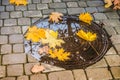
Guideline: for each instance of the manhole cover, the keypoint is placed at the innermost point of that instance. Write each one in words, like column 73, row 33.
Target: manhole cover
column 82, row 53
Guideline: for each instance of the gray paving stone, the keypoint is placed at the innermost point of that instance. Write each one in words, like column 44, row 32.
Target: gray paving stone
column 56, row 0
column 112, row 15
column 32, row 14
column 3, row 39
column 21, row 8
column 4, row 15
column 116, row 72
column 18, row 48
column 15, row 70
column 69, row 0
column 14, row 58
column 103, row 9
column 5, row 2
column 117, row 29
column 29, row 1
column 38, row 76
column 91, row 9
column 24, row 29
column 82, row 4
column 115, row 39
column 10, row 8
column 36, row 1
column 101, row 63
column 16, row 38
column 79, row 74
column 42, row 6
column 2, row 71
column 112, row 23
column 98, row 74
column 8, row 78
column 16, row 14
column 57, row 5
column 24, row 21
column 117, row 46
column 31, row 6
column 113, row 60
column 35, row 19
column 11, row 30
column 111, row 51
column 99, row 16
column 75, row 10
column 7, row 48
column 28, row 67
column 72, row 4
column 10, row 22
column 47, row 11
column 1, row 23
column 23, row 77
column 63, row 75
column 2, row 8
column 64, row 11
column 31, row 59
column 46, row 1
column 110, row 30
column 95, row 3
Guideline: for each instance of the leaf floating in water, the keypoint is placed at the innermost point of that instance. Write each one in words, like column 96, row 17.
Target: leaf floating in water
column 55, row 17
column 88, row 36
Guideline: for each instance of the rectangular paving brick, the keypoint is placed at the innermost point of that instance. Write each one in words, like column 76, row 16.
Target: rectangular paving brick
column 63, row 75
column 117, row 46
column 24, row 21
column 32, row 14
column 1, row 23
column 31, row 6
column 23, row 77
column 95, row 3
column 112, row 22
column 113, row 60
column 21, row 8
column 110, row 30
column 42, row 6
column 79, row 74
column 16, row 38
column 31, row 58
column 82, row 4
column 2, row 8
column 36, row 1
column 10, row 22
column 91, row 9
column 64, row 11
column 98, row 74
column 72, row 4
column 116, row 72
column 2, row 71
column 14, row 58
column 57, row 5
column 75, row 10
column 47, row 11
column 4, row 15
column 46, row 1
column 16, row 14
column 112, row 15
column 10, row 8
column 56, row 0
column 7, row 48
column 111, row 51
column 3, row 39
column 15, row 70
column 18, row 48
column 11, row 30
column 38, row 77
column 99, row 16
column 8, row 78
column 115, row 39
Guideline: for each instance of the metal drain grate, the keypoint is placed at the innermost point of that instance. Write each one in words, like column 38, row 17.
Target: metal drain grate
column 83, row 53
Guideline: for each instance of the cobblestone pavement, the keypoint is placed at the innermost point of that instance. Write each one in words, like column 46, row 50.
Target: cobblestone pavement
column 16, row 65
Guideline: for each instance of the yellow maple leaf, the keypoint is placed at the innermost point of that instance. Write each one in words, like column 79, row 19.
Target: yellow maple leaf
column 35, row 34
column 108, row 3
column 60, row 54
column 55, row 17
column 88, row 36
column 86, row 17
column 51, row 39
column 18, row 2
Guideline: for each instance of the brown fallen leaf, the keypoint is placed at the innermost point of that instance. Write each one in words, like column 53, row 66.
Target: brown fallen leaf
column 116, row 4
column 55, row 17
column 37, row 68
